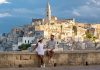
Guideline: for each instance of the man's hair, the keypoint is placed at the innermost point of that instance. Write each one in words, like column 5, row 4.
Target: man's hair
column 52, row 35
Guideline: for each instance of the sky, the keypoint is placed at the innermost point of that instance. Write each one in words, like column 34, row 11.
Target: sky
column 14, row 13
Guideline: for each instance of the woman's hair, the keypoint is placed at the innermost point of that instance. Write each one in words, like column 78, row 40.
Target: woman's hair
column 40, row 40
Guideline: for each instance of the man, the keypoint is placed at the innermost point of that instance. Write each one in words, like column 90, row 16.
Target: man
column 50, row 47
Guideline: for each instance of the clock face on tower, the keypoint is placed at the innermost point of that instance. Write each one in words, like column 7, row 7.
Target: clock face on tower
column 47, row 14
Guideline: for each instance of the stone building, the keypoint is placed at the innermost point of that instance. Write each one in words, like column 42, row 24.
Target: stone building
column 61, row 28
column 97, row 30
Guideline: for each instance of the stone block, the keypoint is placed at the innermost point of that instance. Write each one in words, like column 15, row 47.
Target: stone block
column 25, row 57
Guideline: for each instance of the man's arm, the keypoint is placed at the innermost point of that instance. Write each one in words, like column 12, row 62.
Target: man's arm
column 46, row 46
column 52, row 48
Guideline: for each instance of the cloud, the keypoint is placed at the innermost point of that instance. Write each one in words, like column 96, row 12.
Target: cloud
column 4, row 15
column 3, row 1
column 39, row 11
column 25, row 12
column 76, row 13
column 94, row 2
column 90, row 9
column 17, row 12
column 22, row 10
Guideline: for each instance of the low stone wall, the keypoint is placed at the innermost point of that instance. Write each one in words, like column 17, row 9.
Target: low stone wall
column 25, row 59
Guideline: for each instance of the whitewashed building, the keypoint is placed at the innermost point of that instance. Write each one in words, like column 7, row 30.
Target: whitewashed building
column 25, row 40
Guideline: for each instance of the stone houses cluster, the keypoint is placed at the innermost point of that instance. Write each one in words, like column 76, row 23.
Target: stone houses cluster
column 68, row 33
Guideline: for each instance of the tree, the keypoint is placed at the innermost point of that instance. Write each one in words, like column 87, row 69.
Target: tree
column 24, row 46
column 75, row 30
column 61, row 28
column 90, row 36
column 94, row 38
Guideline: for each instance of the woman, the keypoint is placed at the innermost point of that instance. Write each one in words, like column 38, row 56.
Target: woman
column 40, row 51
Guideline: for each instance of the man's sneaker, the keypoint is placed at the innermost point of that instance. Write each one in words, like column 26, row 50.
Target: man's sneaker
column 43, row 65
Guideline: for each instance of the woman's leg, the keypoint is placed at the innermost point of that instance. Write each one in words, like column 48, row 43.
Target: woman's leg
column 39, row 60
column 42, row 59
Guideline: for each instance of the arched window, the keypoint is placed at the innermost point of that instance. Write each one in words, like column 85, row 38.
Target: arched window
column 25, row 41
column 28, row 41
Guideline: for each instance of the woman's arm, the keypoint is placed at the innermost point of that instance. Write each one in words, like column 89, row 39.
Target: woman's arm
column 35, row 46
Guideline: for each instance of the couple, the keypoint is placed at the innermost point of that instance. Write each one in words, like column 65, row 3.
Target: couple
column 50, row 49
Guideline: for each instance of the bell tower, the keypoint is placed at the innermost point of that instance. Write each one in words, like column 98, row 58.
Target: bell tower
column 48, row 12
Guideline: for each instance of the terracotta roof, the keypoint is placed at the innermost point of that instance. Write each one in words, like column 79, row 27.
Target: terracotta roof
column 34, row 20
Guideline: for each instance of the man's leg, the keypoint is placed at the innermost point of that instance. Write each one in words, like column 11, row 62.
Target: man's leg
column 51, row 53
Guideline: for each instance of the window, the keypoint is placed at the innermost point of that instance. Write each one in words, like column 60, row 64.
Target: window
column 28, row 41
column 25, row 41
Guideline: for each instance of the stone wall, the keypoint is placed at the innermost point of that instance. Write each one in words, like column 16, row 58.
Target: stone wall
column 25, row 59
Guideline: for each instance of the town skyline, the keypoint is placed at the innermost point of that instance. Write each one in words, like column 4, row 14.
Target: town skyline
column 68, row 33
column 14, row 14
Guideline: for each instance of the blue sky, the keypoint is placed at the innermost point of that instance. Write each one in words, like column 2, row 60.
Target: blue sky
column 15, row 13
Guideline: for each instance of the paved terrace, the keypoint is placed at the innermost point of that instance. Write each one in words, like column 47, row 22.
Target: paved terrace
column 97, row 67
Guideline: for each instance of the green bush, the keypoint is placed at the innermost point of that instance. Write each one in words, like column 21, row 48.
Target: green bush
column 24, row 46
column 90, row 36
column 75, row 30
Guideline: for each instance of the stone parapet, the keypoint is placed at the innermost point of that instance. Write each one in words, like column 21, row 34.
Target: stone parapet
column 27, row 59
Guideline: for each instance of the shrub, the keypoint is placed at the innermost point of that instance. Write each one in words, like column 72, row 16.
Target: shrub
column 75, row 30
column 24, row 46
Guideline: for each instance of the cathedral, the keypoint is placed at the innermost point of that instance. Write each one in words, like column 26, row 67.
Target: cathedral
column 61, row 28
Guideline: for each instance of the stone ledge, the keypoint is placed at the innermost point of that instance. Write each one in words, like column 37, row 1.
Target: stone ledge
column 68, row 51
column 30, row 59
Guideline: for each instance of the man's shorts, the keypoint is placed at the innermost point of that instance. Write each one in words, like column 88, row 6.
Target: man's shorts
column 49, row 53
